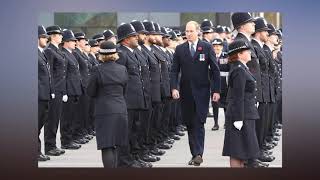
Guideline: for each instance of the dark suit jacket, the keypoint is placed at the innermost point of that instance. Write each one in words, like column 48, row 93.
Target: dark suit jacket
column 75, row 86
column 145, row 74
column 264, row 68
column 195, row 84
column 154, row 68
column 134, row 96
column 241, row 94
column 84, row 65
column 107, row 85
column 164, row 61
column 58, row 65
column 253, row 65
column 272, row 73
column 45, row 88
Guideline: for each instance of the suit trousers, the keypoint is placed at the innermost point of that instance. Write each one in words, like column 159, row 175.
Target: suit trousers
column 69, row 116
column 54, row 115
column 43, row 109
column 262, row 123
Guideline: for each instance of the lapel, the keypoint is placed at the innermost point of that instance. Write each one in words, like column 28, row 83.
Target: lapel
column 186, row 49
column 197, row 52
column 244, row 67
column 259, row 48
column 130, row 54
column 42, row 55
column 150, row 53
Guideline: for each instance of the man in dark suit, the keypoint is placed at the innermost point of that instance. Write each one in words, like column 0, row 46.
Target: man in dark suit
column 135, row 99
column 75, row 89
column 259, row 38
column 195, row 55
column 45, row 89
column 58, row 68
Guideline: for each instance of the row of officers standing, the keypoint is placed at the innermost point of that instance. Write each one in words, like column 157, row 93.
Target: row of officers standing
column 121, row 93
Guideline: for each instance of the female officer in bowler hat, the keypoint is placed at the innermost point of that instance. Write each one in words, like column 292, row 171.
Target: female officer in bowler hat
column 240, row 142
column 107, row 86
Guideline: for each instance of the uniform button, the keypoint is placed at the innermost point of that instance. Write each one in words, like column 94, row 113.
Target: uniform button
column 255, row 81
column 256, row 89
column 255, row 97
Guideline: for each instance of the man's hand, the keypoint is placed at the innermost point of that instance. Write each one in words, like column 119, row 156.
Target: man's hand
column 215, row 97
column 175, row 94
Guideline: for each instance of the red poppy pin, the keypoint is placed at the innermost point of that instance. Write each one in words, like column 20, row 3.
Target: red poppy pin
column 199, row 48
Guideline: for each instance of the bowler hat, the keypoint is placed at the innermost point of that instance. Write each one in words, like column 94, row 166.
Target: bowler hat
column 261, row 24
column 67, row 35
column 238, row 46
column 42, row 32
column 80, row 35
column 98, row 37
column 240, row 18
column 107, row 47
column 93, row 43
column 217, row 41
column 173, row 35
column 108, row 34
column 149, row 27
column 220, row 29
column 272, row 30
column 165, row 32
column 55, row 29
column 157, row 28
column 138, row 26
column 125, row 30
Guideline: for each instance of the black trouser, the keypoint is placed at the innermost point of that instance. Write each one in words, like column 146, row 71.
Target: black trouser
column 272, row 109
column 83, row 115
column 145, row 132
column 128, row 153
column 155, row 137
column 43, row 109
column 279, row 111
column 262, row 123
column 110, row 157
column 91, row 114
column 51, row 127
column 178, row 114
column 165, row 119
column 173, row 117
column 69, row 116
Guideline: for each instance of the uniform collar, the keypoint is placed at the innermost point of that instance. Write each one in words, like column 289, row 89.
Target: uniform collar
column 148, row 47
column 40, row 49
column 248, row 37
column 259, row 42
column 128, row 48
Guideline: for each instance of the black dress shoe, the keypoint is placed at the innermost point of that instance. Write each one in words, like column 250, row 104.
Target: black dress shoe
column 198, row 159
column 215, row 128
column 92, row 133
column 148, row 158
column 42, row 157
column 157, row 152
column 135, row 164
column 266, row 158
column 267, row 152
column 143, row 163
column 80, row 141
column 169, row 141
column 179, row 133
column 256, row 164
column 71, row 146
column 175, row 137
column 55, row 152
column 164, row 146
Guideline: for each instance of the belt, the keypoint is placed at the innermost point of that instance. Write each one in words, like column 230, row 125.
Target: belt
column 224, row 74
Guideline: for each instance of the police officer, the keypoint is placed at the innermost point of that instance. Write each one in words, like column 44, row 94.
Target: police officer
column 159, row 50
column 145, row 116
column 80, row 133
column 107, row 85
column 240, row 142
column 94, row 49
column 207, row 30
column 221, row 30
column 74, row 91
column 222, row 60
column 45, row 87
column 273, row 77
column 155, row 75
column 58, row 65
column 244, row 24
column 259, row 38
column 99, row 38
column 195, row 87
column 128, row 40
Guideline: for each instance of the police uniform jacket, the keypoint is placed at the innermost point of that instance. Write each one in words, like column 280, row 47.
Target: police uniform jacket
column 134, row 95
column 58, row 65
column 241, row 93
column 264, row 68
column 84, row 65
column 75, row 86
column 45, row 88
column 272, row 73
column 155, row 70
column 253, row 65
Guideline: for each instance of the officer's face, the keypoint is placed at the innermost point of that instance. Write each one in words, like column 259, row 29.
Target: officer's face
column 217, row 49
column 159, row 40
column 113, row 39
column 192, row 32
column 152, row 39
column 249, row 27
column 82, row 43
column 94, row 49
column 56, row 38
column 43, row 42
column 166, row 42
column 70, row 44
column 141, row 38
column 273, row 39
column 133, row 41
column 264, row 36
column 245, row 55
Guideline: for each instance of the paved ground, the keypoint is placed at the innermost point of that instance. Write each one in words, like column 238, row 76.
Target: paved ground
column 177, row 156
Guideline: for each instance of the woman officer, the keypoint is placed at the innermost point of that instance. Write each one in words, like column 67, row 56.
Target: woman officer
column 240, row 142
column 107, row 86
